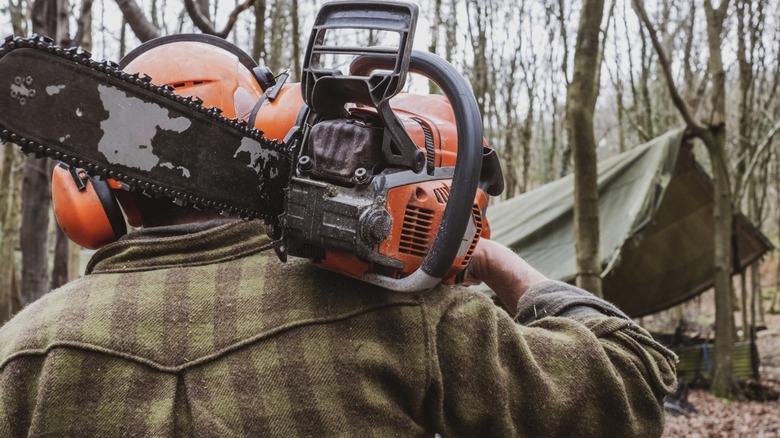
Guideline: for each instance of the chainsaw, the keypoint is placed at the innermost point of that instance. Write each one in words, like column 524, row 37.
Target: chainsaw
column 371, row 182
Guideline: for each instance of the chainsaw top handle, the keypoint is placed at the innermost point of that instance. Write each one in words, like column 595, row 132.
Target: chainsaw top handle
column 326, row 90
column 468, row 166
column 388, row 17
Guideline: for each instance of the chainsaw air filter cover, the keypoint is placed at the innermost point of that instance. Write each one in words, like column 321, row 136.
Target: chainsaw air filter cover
column 358, row 147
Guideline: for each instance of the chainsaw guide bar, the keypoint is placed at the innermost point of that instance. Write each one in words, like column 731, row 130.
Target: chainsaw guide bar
column 60, row 103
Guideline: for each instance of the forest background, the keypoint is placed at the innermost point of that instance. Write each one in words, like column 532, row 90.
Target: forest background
column 634, row 70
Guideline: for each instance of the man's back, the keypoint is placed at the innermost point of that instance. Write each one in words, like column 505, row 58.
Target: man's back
column 208, row 334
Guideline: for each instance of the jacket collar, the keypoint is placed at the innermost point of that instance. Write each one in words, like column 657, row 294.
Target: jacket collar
column 181, row 245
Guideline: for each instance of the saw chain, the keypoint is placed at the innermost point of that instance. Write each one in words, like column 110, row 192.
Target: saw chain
column 62, row 104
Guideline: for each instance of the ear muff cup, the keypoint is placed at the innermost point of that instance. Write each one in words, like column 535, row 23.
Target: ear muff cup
column 86, row 208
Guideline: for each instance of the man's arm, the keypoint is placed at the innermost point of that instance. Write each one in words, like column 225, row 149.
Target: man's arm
column 508, row 275
column 569, row 364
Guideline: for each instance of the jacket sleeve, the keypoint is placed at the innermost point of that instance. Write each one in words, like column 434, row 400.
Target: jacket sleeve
column 19, row 389
column 571, row 365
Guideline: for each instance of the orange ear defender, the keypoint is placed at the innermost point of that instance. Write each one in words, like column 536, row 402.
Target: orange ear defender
column 85, row 208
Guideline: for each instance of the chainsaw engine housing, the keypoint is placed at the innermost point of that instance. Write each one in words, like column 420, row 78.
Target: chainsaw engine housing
column 353, row 217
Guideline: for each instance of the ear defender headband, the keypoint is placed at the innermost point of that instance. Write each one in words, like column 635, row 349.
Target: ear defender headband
column 86, row 207
column 211, row 40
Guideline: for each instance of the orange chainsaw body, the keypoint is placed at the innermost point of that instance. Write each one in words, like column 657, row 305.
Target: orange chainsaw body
column 416, row 209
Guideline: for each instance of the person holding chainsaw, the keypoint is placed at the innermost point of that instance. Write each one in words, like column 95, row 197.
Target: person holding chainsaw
column 192, row 326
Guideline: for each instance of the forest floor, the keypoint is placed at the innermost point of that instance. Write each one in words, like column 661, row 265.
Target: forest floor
column 713, row 417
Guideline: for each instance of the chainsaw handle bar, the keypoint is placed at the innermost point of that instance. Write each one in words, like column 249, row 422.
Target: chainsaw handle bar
column 468, row 166
column 388, row 16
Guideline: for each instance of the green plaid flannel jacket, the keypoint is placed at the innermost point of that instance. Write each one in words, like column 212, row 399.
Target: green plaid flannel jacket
column 207, row 334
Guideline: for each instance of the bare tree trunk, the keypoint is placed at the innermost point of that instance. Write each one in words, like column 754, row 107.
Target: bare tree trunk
column 508, row 152
column 153, row 13
column 34, row 232
column 258, row 42
column 646, row 119
column 436, row 24
column 566, row 147
column 580, row 103
column 279, row 15
column 50, row 17
column 756, row 295
column 619, row 92
column 59, row 272
column 552, row 92
column 123, row 38
column 529, row 69
column 600, row 56
column 433, row 46
column 74, row 262
column 745, row 307
column 478, row 32
column 723, row 383
column 6, row 173
column 745, row 84
column 514, row 134
column 296, row 40
column 11, row 182
column 774, row 307
column 18, row 21
column 748, row 181
column 84, row 30
column 636, row 121
column 10, row 195
column 551, row 152
column 451, row 28
column 658, row 95
column 688, row 76
column 527, row 134
column 713, row 135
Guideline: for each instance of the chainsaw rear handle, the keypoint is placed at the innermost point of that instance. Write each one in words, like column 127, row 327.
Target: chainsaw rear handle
column 468, row 166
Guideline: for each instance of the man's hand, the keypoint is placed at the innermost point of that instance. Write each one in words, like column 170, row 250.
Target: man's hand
column 503, row 271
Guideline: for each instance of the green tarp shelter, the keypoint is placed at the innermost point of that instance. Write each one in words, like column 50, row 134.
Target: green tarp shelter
column 655, row 212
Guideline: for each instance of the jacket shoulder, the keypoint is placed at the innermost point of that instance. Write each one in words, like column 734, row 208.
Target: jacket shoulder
column 37, row 327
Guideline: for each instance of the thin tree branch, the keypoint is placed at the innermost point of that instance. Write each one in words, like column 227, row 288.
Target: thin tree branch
column 562, row 21
column 600, row 57
column 137, row 20
column 201, row 21
column 206, row 26
column 700, row 90
column 665, row 66
column 759, row 151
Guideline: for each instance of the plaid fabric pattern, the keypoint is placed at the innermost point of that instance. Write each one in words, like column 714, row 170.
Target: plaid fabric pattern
column 208, row 334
